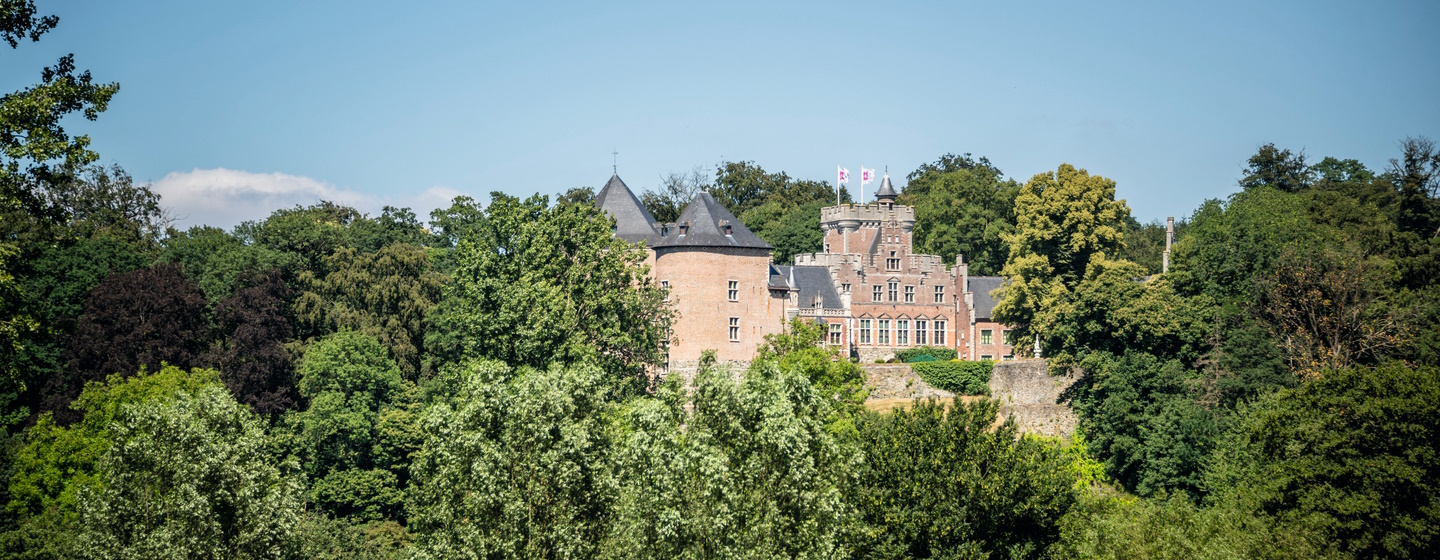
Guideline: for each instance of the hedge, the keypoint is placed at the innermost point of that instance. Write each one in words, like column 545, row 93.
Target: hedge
column 959, row 377
column 920, row 353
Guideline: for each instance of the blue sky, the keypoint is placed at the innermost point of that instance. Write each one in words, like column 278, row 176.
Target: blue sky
column 234, row 109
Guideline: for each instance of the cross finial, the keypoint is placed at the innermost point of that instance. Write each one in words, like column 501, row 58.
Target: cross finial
column 614, row 159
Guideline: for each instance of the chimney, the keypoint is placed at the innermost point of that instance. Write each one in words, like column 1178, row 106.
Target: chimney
column 1169, row 238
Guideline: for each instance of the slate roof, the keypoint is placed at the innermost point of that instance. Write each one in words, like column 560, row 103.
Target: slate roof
column 705, row 215
column 633, row 222
column 886, row 189
column 981, row 287
column 815, row 281
column 811, row 281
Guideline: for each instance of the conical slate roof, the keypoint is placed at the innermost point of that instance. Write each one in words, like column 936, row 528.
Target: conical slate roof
column 633, row 222
column 886, row 190
column 707, row 221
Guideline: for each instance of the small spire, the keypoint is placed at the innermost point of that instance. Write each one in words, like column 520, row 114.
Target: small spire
column 614, row 162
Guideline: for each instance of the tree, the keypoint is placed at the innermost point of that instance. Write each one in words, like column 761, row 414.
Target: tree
column 355, row 439
column 1350, row 455
column 792, row 231
column 145, row 318
column 1063, row 220
column 547, row 284
column 835, row 378
column 460, row 221
column 676, row 190
column 1326, row 310
column 191, row 478
column 577, row 195
column 735, row 468
column 962, row 207
column 514, row 468
column 220, row 262
column 56, row 462
column 1144, row 421
column 257, row 322
column 938, row 483
column 1278, row 169
column 386, row 294
column 1416, row 176
column 1112, row 310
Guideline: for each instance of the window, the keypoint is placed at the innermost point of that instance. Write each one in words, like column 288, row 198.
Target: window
column 939, row 294
column 827, row 247
column 909, row 294
column 892, row 263
column 902, row 332
column 1007, row 357
column 1006, row 338
column 920, row 331
column 834, row 334
column 734, row 329
column 894, row 289
column 884, row 332
column 939, row 333
column 734, row 290
column 665, row 285
column 844, row 288
column 879, row 293
column 864, row 331
column 987, row 357
column 985, row 336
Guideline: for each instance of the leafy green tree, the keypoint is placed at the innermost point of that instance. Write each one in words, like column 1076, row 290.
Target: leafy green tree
column 386, row 294
column 838, row 381
column 1278, row 169
column 323, row 538
column 735, row 468
column 546, row 284
column 56, row 462
column 963, row 207
column 355, row 439
column 515, row 467
column 947, row 483
column 1146, row 424
column 793, row 231
column 1063, row 220
column 220, row 262
column 1112, row 310
column 1351, row 456
column 1416, row 175
column 189, row 478
column 460, row 221
column 577, row 195
column 1144, row 244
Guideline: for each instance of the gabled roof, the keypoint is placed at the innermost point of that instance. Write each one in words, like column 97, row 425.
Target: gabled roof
column 705, row 217
column 981, row 286
column 811, row 282
column 633, row 222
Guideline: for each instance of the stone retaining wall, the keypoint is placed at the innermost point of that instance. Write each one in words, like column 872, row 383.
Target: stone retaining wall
column 898, row 381
column 1026, row 391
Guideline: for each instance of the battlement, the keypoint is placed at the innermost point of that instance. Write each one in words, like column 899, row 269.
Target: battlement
column 851, row 216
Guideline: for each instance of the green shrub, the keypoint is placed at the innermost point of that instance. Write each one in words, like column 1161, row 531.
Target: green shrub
column 956, row 376
column 926, row 354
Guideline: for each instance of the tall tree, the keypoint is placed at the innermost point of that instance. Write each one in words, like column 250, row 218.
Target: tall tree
column 1279, row 169
column 1416, row 175
column 1063, row 219
column 386, row 294
column 549, row 283
column 140, row 319
column 676, row 190
column 256, row 323
column 191, row 478
column 965, row 207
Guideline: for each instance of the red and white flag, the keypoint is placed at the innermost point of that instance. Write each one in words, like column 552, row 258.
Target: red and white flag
column 842, row 175
column 866, row 176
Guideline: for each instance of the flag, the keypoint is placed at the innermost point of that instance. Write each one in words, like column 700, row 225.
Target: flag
column 843, row 175
column 866, row 176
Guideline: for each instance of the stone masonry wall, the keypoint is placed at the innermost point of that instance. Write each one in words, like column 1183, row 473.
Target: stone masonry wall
column 1029, row 394
column 898, row 381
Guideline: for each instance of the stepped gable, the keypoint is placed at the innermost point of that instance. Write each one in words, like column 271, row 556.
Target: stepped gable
column 981, row 287
column 705, row 223
column 633, row 222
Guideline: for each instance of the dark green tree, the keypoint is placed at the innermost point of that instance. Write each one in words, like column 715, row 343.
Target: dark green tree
column 963, row 207
column 1278, row 169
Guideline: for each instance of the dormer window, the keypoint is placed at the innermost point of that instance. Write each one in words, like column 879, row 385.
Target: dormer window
column 725, row 227
column 684, row 229
column 892, row 263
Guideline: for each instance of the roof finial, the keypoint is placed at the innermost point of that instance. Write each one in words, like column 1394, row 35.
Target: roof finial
column 614, row 159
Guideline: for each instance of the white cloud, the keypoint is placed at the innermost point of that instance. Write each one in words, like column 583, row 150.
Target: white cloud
column 225, row 197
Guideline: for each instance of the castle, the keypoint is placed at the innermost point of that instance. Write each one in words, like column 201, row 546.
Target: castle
column 870, row 290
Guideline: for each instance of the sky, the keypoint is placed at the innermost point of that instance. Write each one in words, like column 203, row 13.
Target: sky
column 232, row 110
